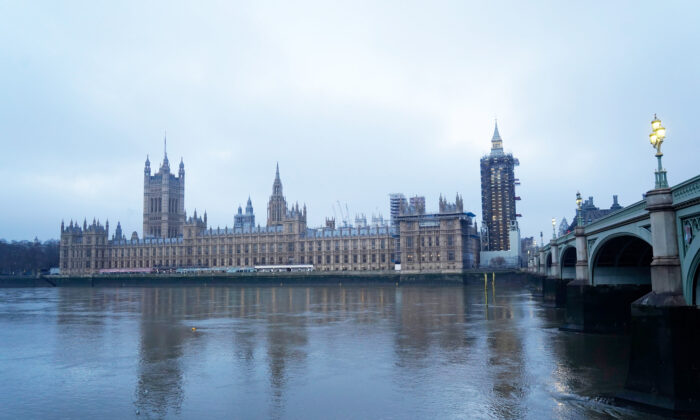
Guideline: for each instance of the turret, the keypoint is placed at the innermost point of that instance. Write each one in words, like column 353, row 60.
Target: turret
column 118, row 232
column 181, row 172
column 249, row 207
column 147, row 167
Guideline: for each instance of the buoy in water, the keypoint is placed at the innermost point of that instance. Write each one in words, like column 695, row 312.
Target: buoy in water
column 194, row 329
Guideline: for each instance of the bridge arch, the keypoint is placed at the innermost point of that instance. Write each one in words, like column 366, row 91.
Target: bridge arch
column 548, row 263
column 692, row 275
column 567, row 263
column 622, row 258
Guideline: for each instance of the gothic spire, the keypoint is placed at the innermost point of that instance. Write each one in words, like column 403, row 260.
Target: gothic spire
column 166, row 164
column 496, row 134
column 277, row 185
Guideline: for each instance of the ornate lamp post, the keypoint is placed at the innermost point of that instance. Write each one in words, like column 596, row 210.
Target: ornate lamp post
column 554, row 231
column 656, row 138
column 579, row 217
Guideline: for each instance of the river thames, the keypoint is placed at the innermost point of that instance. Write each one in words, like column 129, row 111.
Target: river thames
column 336, row 351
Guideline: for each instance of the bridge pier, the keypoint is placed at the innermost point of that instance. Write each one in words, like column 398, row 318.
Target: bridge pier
column 664, row 369
column 553, row 287
column 543, row 264
column 599, row 308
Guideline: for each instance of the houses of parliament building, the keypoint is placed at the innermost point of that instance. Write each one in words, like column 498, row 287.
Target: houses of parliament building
column 446, row 241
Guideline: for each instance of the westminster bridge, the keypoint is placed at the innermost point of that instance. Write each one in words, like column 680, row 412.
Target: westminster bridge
column 637, row 270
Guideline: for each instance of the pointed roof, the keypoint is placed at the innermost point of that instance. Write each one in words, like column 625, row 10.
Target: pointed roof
column 496, row 134
column 277, row 184
column 496, row 141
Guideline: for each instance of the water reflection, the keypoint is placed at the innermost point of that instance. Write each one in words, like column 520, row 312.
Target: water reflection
column 313, row 352
column 159, row 388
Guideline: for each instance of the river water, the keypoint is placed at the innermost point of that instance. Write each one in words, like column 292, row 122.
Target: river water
column 337, row 351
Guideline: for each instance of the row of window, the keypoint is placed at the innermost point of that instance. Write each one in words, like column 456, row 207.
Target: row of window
column 430, row 257
column 429, row 241
column 364, row 258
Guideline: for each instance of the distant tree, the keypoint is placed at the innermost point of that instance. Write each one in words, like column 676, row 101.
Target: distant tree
column 25, row 257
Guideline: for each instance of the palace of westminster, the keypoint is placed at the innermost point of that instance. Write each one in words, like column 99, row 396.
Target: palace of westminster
column 446, row 241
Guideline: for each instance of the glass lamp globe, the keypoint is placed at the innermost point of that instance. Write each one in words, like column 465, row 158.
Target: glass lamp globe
column 661, row 132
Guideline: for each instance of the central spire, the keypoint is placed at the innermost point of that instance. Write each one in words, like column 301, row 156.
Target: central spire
column 166, row 164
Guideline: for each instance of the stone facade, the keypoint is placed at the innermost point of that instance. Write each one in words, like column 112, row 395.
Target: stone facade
column 446, row 241
column 87, row 250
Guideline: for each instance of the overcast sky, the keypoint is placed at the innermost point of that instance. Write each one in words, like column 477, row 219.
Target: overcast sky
column 354, row 101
